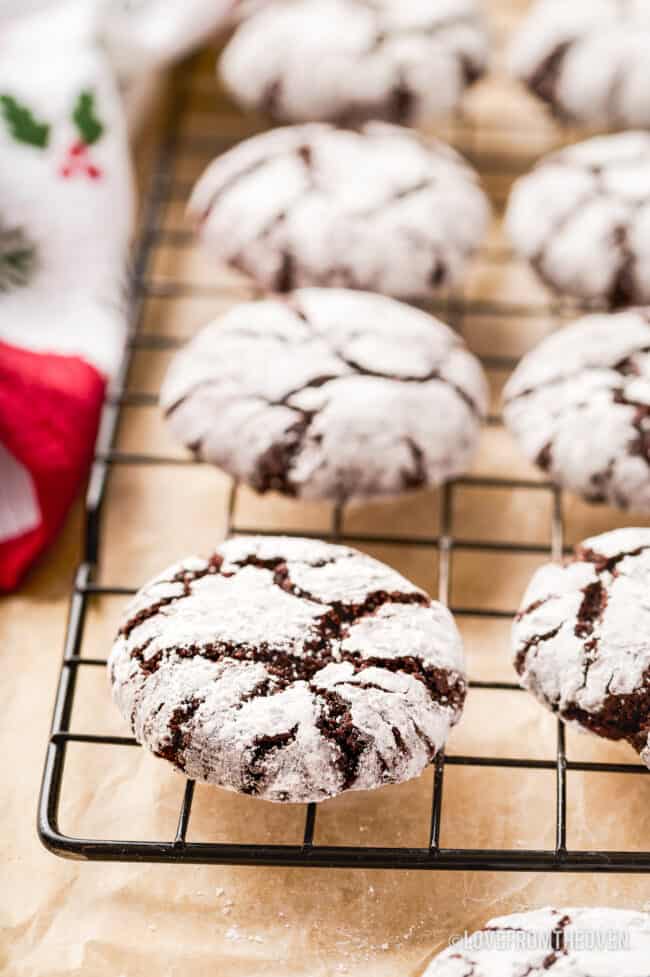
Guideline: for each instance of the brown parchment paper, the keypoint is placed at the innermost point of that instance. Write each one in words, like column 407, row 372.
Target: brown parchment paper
column 113, row 920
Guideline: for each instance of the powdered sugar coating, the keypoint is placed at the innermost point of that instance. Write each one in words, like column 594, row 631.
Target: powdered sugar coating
column 573, row 942
column 351, row 60
column 328, row 394
column 290, row 669
column 589, row 61
column 579, row 406
column 377, row 208
column 582, row 219
column 581, row 640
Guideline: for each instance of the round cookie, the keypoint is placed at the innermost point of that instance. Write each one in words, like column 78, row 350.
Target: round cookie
column 580, row 640
column 346, row 61
column 290, row 669
column 579, row 407
column 589, row 61
column 378, row 209
column 581, row 218
column 328, row 394
column 571, row 942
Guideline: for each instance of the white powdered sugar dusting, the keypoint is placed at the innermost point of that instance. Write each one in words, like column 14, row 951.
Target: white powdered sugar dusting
column 330, row 394
column 378, row 208
column 579, row 406
column 289, row 669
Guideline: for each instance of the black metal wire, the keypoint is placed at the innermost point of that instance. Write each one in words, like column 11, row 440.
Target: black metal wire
column 86, row 589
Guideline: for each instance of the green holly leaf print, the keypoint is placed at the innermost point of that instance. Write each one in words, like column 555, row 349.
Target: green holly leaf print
column 17, row 259
column 22, row 124
column 89, row 126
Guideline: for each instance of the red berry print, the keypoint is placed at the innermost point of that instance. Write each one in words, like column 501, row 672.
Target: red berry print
column 78, row 163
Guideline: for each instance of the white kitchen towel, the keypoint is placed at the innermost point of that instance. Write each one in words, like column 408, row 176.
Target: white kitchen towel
column 144, row 35
column 66, row 211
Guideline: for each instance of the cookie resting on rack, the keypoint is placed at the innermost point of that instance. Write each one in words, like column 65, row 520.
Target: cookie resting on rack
column 591, row 942
column 589, row 60
column 579, row 407
column 347, row 61
column 581, row 218
column 328, row 394
column 290, row 669
column 378, row 208
column 581, row 641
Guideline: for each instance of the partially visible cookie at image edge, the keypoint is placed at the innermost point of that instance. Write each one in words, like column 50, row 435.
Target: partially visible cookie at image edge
column 579, row 407
column 588, row 60
column 581, row 218
column 378, row 208
column 572, row 941
column 288, row 669
column 580, row 640
column 328, row 394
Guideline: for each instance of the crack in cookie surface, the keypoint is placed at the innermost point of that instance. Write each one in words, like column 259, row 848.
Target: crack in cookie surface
column 545, row 78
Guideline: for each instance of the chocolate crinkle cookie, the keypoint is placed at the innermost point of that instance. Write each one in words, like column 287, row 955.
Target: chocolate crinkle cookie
column 581, row 218
column 581, row 639
column 569, row 942
column 579, row 407
column 379, row 208
column 347, row 61
column 290, row 669
column 328, row 394
column 589, row 60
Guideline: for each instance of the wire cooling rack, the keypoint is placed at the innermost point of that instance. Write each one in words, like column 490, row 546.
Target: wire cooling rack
column 178, row 849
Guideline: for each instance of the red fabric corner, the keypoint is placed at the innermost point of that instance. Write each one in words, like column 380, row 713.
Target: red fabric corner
column 49, row 413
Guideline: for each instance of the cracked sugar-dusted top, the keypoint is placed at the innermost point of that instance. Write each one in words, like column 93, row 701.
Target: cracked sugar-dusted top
column 572, row 942
column 291, row 669
column 581, row 640
column 579, row 406
column 588, row 60
column 581, row 217
column 328, row 394
column 351, row 60
column 378, row 208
